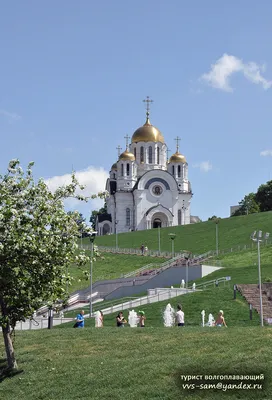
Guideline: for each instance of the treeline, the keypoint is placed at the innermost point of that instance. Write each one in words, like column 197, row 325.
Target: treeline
column 256, row 202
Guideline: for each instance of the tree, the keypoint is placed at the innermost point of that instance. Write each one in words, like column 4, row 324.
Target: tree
column 94, row 214
column 213, row 218
column 264, row 196
column 249, row 205
column 38, row 242
column 80, row 223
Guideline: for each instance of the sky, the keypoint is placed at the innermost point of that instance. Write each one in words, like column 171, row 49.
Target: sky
column 73, row 76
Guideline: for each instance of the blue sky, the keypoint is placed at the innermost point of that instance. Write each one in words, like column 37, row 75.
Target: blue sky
column 74, row 74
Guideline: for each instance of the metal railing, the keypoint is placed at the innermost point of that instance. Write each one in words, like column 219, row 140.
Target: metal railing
column 140, row 301
column 213, row 282
column 39, row 323
column 132, row 251
column 157, row 267
column 168, row 254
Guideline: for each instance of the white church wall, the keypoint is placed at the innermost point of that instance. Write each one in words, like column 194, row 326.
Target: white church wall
column 124, row 201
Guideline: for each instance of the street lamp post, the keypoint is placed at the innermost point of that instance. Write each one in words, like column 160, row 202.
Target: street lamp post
column 159, row 238
column 92, row 238
column 257, row 237
column 216, row 236
column 116, row 235
column 172, row 237
column 183, row 208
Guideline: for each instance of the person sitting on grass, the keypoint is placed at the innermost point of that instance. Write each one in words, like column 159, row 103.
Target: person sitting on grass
column 80, row 320
column 220, row 319
column 120, row 320
column 142, row 319
column 180, row 316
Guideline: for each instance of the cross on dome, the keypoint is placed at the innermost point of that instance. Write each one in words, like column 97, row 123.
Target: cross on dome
column 168, row 151
column 177, row 139
column 119, row 148
column 148, row 101
column 127, row 141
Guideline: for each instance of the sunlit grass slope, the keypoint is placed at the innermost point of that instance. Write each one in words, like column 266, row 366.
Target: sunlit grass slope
column 197, row 238
column 145, row 364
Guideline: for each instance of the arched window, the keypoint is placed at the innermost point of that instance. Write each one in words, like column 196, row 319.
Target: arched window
column 173, row 170
column 113, row 176
column 127, row 169
column 158, row 155
column 122, row 169
column 127, row 217
column 135, row 152
column 150, row 154
column 179, row 171
column 179, row 217
column 141, row 154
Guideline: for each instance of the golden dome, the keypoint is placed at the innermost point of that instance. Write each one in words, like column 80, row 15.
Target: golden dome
column 177, row 158
column 114, row 167
column 147, row 133
column 127, row 156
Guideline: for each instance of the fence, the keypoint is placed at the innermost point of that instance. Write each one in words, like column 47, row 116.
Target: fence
column 167, row 254
column 151, row 253
column 140, row 301
column 39, row 323
column 161, row 267
column 160, row 294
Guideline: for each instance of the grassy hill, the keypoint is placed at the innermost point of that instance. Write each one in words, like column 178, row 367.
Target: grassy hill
column 197, row 238
column 111, row 363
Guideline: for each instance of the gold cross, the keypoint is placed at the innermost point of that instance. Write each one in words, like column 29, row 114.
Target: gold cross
column 119, row 148
column 177, row 140
column 148, row 101
column 127, row 139
column 168, row 151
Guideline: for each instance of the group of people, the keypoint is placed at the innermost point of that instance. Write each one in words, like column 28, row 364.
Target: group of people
column 121, row 321
column 144, row 249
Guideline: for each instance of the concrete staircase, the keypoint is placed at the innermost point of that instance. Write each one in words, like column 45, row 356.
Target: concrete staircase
column 252, row 295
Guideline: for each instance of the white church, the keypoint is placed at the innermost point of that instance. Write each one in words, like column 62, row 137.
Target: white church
column 146, row 190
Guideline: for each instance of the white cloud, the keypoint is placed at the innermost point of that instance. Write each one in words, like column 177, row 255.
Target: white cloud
column 266, row 153
column 94, row 180
column 11, row 116
column 204, row 166
column 227, row 65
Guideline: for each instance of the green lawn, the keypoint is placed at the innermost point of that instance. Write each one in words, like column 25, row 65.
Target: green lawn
column 110, row 363
column 110, row 266
column 137, row 364
column 197, row 238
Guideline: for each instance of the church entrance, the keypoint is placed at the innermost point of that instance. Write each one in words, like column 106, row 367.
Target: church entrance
column 106, row 229
column 157, row 223
column 159, row 220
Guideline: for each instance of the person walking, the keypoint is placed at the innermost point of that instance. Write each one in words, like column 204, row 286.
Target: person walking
column 180, row 316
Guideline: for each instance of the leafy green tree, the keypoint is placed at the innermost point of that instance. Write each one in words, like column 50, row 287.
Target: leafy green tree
column 264, row 196
column 249, row 205
column 94, row 214
column 213, row 218
column 38, row 242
